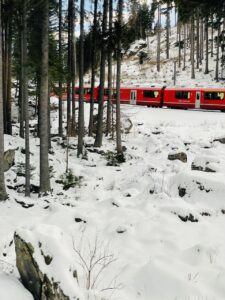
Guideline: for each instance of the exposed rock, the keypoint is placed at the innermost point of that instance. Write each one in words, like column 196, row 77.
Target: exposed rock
column 178, row 156
column 40, row 286
column 221, row 140
column 9, row 159
column 195, row 167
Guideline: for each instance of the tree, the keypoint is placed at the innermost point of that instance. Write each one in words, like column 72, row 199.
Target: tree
column 24, row 95
column 60, row 69
column 44, row 96
column 3, row 194
column 99, row 134
column 81, row 84
column 118, row 78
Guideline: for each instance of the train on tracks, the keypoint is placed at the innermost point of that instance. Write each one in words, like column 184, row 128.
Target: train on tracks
column 192, row 98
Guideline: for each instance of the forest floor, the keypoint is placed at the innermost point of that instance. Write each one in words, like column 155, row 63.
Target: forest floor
column 160, row 222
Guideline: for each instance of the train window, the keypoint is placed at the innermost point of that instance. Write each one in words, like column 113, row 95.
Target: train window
column 106, row 92
column 182, row 95
column 87, row 91
column 214, row 96
column 150, row 94
column 77, row 91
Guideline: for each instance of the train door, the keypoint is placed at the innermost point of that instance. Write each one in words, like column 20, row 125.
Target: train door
column 198, row 100
column 133, row 97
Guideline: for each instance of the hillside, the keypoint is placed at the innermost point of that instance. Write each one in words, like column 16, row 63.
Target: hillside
column 151, row 228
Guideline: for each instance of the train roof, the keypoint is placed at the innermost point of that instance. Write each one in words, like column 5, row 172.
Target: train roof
column 195, row 89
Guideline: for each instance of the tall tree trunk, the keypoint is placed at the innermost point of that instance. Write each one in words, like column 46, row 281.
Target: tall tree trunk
column 93, row 68
column 168, row 30
column 73, row 70
column 185, row 46
column 212, row 35
column 192, row 48
column 109, row 103
column 118, row 78
column 3, row 194
column 217, row 50
column 179, row 42
column 69, row 62
column 197, row 44
column 207, row 45
column 81, row 84
column 158, row 37
column 98, row 139
column 60, row 70
column 44, row 98
column 25, row 97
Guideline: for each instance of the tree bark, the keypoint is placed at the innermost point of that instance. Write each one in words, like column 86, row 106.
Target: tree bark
column 25, row 97
column 93, row 68
column 44, row 98
column 81, row 84
column 60, row 70
column 207, row 46
column 98, row 139
column 118, row 78
column 3, row 194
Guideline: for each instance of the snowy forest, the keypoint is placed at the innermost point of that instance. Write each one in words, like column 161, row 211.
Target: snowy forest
column 106, row 193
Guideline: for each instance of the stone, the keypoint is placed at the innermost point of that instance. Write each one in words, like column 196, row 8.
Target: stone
column 9, row 159
column 39, row 285
column 178, row 156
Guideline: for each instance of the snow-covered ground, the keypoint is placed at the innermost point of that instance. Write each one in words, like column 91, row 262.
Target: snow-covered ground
column 161, row 245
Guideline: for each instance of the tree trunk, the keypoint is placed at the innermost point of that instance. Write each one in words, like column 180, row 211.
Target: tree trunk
column 118, row 78
column 25, row 97
column 207, row 46
column 98, row 139
column 3, row 194
column 81, row 84
column 44, row 99
column 192, row 48
column 60, row 70
column 73, row 70
column 93, row 68
column 217, row 51
column 109, row 103
column 197, row 44
column 158, row 37
column 168, row 30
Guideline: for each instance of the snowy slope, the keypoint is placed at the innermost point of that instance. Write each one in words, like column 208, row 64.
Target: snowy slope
column 132, row 212
column 159, row 223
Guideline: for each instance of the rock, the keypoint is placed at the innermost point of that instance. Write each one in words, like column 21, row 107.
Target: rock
column 38, row 283
column 9, row 159
column 221, row 140
column 200, row 168
column 180, row 156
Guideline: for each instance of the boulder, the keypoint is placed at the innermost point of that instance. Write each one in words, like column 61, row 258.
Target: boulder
column 178, row 156
column 38, row 283
column 221, row 140
column 9, row 159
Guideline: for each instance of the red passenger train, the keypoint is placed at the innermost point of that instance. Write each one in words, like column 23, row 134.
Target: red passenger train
column 198, row 98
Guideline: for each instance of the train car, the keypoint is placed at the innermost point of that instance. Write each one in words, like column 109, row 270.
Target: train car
column 213, row 99
column 182, row 97
column 140, row 96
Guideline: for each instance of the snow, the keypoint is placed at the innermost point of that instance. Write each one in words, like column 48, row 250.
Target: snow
column 160, row 222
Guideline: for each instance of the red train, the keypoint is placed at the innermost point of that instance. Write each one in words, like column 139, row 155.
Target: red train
column 199, row 98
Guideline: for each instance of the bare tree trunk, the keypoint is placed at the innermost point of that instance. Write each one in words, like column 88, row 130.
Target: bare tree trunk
column 93, row 68
column 44, row 100
column 81, row 84
column 109, row 103
column 212, row 35
column 60, row 70
column 192, row 48
column 158, row 37
column 179, row 41
column 197, row 44
column 168, row 30
column 217, row 51
column 99, row 134
column 207, row 46
column 118, row 78
column 185, row 46
column 73, row 70
column 3, row 194
column 69, row 59
column 25, row 97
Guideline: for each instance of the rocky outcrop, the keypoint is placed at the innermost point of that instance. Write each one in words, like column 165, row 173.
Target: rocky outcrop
column 9, row 159
column 38, row 283
column 220, row 140
column 178, row 156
